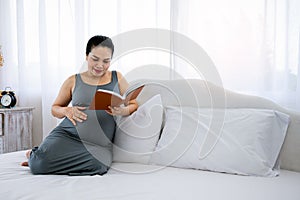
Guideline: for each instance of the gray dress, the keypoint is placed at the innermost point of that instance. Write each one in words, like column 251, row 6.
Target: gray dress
column 84, row 149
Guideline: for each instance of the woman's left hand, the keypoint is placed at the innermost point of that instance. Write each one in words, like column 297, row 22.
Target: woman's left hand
column 118, row 110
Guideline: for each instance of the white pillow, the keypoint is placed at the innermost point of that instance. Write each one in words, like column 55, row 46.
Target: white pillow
column 137, row 135
column 249, row 143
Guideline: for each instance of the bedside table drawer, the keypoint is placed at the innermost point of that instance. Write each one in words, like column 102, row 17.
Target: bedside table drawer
column 15, row 129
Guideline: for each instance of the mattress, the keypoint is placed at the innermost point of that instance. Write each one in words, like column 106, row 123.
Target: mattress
column 130, row 181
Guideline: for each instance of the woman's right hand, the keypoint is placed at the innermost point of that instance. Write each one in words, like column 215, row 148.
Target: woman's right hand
column 75, row 114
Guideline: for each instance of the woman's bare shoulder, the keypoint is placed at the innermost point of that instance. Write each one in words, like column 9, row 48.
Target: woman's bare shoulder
column 119, row 75
column 69, row 83
column 121, row 78
column 71, row 79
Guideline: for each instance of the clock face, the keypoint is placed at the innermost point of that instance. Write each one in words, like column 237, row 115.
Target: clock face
column 6, row 100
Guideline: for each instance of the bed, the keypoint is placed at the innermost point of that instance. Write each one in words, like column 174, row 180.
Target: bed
column 142, row 177
column 168, row 183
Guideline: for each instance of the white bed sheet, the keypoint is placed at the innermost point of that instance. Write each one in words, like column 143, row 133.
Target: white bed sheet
column 16, row 182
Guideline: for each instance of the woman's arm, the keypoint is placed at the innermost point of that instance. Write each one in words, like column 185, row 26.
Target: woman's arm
column 60, row 106
column 128, row 108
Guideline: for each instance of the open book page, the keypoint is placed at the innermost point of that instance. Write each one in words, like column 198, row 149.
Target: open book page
column 105, row 98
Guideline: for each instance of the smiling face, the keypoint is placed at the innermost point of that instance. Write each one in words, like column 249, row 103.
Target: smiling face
column 99, row 61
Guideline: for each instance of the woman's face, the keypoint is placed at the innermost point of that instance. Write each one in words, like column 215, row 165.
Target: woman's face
column 99, row 60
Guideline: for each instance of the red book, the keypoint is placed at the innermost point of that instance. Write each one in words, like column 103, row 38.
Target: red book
column 105, row 98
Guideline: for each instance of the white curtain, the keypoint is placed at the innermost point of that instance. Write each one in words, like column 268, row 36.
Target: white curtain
column 43, row 42
column 253, row 43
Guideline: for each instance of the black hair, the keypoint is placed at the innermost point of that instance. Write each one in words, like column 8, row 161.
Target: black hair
column 99, row 40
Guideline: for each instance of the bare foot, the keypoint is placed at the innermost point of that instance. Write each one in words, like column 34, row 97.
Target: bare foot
column 27, row 156
column 28, row 153
column 25, row 164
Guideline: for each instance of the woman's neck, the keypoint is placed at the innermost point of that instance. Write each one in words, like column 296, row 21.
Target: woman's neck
column 96, row 80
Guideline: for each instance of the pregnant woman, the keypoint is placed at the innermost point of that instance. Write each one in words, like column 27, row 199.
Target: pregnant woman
column 82, row 143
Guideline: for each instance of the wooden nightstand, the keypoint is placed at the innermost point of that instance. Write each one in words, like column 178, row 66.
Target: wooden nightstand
column 15, row 129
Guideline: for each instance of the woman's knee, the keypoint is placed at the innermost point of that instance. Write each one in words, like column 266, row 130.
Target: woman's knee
column 38, row 165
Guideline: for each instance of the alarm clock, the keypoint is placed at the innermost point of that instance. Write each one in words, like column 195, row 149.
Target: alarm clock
column 8, row 99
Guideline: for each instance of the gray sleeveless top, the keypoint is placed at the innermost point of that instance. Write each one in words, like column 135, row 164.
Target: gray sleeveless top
column 98, row 130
